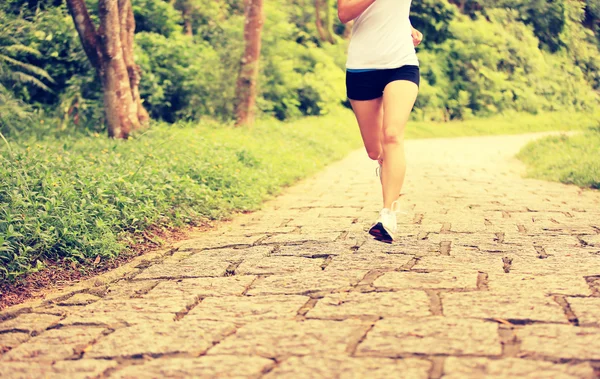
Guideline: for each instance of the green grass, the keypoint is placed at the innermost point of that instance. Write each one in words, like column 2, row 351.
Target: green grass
column 75, row 198
column 515, row 123
column 567, row 159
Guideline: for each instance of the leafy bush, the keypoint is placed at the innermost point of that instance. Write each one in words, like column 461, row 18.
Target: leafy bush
column 181, row 79
column 156, row 16
column 494, row 66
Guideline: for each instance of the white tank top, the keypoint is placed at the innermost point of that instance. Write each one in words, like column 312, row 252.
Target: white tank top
column 381, row 37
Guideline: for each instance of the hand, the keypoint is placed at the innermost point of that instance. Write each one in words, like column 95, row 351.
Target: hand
column 417, row 37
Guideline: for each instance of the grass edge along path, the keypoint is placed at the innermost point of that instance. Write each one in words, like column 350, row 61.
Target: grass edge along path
column 567, row 159
column 83, row 200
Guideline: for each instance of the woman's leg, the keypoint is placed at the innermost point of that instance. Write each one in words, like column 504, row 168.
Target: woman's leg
column 398, row 100
column 369, row 114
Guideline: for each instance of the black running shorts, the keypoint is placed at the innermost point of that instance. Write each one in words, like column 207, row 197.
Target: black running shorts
column 369, row 85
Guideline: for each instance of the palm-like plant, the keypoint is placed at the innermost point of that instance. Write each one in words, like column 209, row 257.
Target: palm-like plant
column 12, row 68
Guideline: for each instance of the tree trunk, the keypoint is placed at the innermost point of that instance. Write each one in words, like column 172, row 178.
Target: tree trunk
column 348, row 30
column 127, row 22
column 110, row 51
column 329, row 22
column 247, row 79
column 319, row 21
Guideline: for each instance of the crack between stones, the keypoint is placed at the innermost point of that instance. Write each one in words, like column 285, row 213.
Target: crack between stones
column 230, row 270
column 541, row 252
column 499, row 237
column 435, row 302
column 594, row 283
column 357, row 338
column 511, row 345
column 181, row 314
column 445, row 228
column 507, row 264
column 310, row 304
column 250, row 285
column 566, row 307
column 326, row 262
column 410, row 264
column 437, row 368
column 482, row 281
column 445, row 247
column 343, row 235
column 418, row 219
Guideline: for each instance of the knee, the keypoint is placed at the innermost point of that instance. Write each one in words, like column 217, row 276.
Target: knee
column 392, row 136
column 393, row 130
column 374, row 155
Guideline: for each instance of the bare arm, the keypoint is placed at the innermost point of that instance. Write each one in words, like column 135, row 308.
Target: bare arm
column 348, row 10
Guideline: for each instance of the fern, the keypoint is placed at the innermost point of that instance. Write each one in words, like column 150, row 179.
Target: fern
column 12, row 68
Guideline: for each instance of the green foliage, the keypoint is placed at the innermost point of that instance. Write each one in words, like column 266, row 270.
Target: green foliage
column 156, row 16
column 15, row 67
column 433, row 19
column 296, row 79
column 76, row 198
column 567, row 159
column 181, row 78
column 494, row 66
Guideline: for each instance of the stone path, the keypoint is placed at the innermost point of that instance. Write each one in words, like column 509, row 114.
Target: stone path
column 494, row 276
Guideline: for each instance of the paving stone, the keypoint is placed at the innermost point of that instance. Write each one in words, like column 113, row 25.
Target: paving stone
column 205, row 242
column 10, row 340
column 360, row 261
column 226, row 366
column 344, row 367
column 125, row 290
column 29, row 322
column 587, row 265
column 435, row 280
column 463, row 261
column 245, row 309
column 591, row 240
column 396, row 337
column 231, row 255
column 189, row 336
column 294, row 238
column 460, row 368
column 79, row 299
column 542, row 284
column 305, row 282
column 387, row 304
column 518, row 305
column 279, row 265
column 587, row 310
column 77, row 369
column 312, row 250
column 196, row 266
column 54, row 344
column 129, row 311
column 560, row 341
column 278, row 338
column 192, row 289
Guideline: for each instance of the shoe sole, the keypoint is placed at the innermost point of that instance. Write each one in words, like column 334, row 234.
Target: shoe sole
column 380, row 233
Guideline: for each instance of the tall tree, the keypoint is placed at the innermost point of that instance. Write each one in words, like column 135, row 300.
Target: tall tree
column 325, row 30
column 247, row 79
column 110, row 50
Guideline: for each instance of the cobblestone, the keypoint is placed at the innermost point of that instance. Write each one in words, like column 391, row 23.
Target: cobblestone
column 492, row 276
column 459, row 368
column 435, row 335
column 344, row 367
